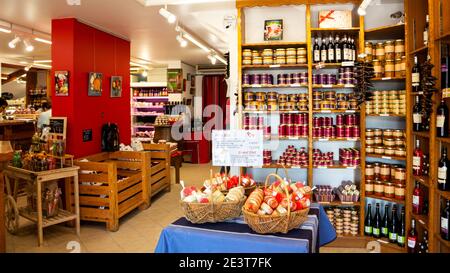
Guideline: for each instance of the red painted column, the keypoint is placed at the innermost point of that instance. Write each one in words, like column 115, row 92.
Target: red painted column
column 81, row 49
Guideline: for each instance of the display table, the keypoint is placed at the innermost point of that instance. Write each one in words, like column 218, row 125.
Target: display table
column 235, row 236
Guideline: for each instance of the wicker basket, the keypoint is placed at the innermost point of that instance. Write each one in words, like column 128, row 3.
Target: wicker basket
column 199, row 213
column 248, row 190
column 272, row 224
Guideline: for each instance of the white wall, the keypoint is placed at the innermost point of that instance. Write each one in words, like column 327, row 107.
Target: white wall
column 17, row 89
column 379, row 15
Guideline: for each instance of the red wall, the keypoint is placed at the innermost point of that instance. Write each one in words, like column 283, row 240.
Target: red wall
column 80, row 49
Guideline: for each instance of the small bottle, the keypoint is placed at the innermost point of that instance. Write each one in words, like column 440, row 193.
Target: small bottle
column 376, row 230
column 368, row 221
column 401, row 237
column 393, row 228
column 445, row 215
column 412, row 238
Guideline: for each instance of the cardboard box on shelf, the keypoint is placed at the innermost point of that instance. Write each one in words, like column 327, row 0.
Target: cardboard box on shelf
column 335, row 19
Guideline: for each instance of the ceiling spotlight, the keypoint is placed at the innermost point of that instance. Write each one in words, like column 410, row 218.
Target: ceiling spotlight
column 171, row 18
column 28, row 46
column 145, row 73
column 73, row 2
column 14, row 42
column 362, row 8
column 212, row 58
column 183, row 42
column 27, row 68
column 5, row 30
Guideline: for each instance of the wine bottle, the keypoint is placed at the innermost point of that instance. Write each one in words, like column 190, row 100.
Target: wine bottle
column 316, row 50
column 401, row 237
column 376, row 230
column 417, row 159
column 412, row 238
column 323, row 51
column 425, row 31
column 443, row 169
column 385, row 223
column 442, row 120
column 345, row 50
column 445, row 215
column 416, row 75
column 368, row 221
column 445, row 75
column 417, row 205
column 331, row 58
column 417, row 115
column 337, row 50
column 394, row 226
column 353, row 50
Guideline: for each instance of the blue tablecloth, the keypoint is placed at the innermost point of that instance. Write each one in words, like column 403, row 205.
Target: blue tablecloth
column 235, row 236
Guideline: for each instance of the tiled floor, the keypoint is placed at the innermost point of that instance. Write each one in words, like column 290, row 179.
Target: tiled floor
column 139, row 230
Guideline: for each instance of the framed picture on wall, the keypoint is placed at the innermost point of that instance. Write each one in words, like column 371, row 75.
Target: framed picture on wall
column 175, row 80
column 193, row 81
column 95, row 84
column 62, row 83
column 273, row 30
column 116, row 86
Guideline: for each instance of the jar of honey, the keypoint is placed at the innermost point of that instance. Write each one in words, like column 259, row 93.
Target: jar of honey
column 378, row 68
column 370, row 172
column 389, row 50
column 267, row 52
column 379, row 150
column 389, row 68
column 398, row 68
column 247, row 53
column 268, row 60
column 400, row 175
column 380, row 53
column 370, row 149
column 385, row 172
column 291, row 60
column 399, row 191
column 301, row 60
column 378, row 188
column 400, row 151
column 399, row 48
column 389, row 150
column 389, row 189
column 369, row 187
column 280, row 52
column 370, row 141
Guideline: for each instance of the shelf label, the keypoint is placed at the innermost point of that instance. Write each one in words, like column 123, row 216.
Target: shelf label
column 259, row 167
column 382, row 241
column 352, row 168
column 324, row 202
column 295, row 167
column 422, row 222
column 349, row 86
column 327, row 86
column 384, row 115
column 418, row 93
column 322, row 167
column 295, row 85
column 348, row 63
column 350, row 111
column 274, row 66
column 386, row 79
column 292, row 137
column 325, row 111
column 386, row 157
column 347, row 203
column 352, row 139
column 256, row 85
column 324, row 139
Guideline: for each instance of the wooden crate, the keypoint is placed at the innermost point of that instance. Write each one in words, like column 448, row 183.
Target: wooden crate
column 160, row 167
column 113, row 184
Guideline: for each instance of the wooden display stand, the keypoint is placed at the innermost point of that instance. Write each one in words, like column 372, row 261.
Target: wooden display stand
column 112, row 185
column 160, row 167
column 38, row 179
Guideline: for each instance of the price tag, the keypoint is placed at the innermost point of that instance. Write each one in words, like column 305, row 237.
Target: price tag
column 386, row 79
column 352, row 139
column 349, row 85
column 322, row 167
column 348, row 63
column 274, row 66
column 351, row 168
column 347, row 203
column 382, row 241
column 295, row 85
column 295, row 167
column 386, row 157
column 325, row 111
column 324, row 202
column 420, row 93
column 259, row 167
column 384, row 115
column 324, row 139
column 291, row 137
column 256, row 85
column 350, row 111
column 327, row 86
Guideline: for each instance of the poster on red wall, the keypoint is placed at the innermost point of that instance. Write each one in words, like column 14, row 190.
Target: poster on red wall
column 95, row 84
column 62, row 83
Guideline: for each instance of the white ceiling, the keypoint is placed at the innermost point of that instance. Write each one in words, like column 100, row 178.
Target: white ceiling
column 152, row 38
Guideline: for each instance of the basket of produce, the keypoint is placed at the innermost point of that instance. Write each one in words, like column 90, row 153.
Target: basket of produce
column 211, row 205
column 278, row 208
column 224, row 183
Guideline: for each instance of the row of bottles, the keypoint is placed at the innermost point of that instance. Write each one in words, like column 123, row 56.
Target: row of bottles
column 390, row 227
column 334, row 50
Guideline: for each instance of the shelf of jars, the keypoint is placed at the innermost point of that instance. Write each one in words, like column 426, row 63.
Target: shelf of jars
column 388, row 157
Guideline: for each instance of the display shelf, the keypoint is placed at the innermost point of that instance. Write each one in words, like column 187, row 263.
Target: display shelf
column 274, row 112
column 61, row 217
column 336, row 165
column 321, row 65
column 275, row 86
column 388, row 79
column 444, row 36
column 335, row 111
column 391, row 32
column 276, row 44
column 143, row 126
column 424, row 180
column 389, row 157
column 421, row 219
column 350, row 29
column 275, row 66
column 443, row 139
column 393, row 200
column 333, row 86
column 419, row 50
column 422, row 134
column 154, row 98
column 444, row 194
column 340, row 204
column 350, row 139
column 385, row 243
column 386, row 115
column 441, row 240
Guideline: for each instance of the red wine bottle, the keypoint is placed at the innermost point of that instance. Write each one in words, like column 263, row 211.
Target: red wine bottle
column 442, row 117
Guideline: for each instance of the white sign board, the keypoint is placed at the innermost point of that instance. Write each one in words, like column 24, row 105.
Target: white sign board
column 237, row 148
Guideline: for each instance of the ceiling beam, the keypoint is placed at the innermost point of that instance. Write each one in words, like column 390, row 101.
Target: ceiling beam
column 13, row 76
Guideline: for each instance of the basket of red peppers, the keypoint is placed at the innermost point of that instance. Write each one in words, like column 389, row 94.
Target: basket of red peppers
column 280, row 207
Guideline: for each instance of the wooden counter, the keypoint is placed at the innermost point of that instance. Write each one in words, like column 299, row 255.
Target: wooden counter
column 19, row 132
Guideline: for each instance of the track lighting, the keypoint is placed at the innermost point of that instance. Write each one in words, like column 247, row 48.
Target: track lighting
column 181, row 40
column 28, row 46
column 14, row 42
column 27, row 68
column 171, row 18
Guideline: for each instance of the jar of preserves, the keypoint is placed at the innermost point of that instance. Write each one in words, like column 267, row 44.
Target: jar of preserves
column 378, row 140
column 380, row 53
column 291, row 52
column 399, row 48
column 369, row 186
column 398, row 133
column 400, row 151
column 378, row 69
column 403, row 67
column 399, row 141
column 247, row 61
column 399, row 191
column 370, row 141
column 377, row 169
column 249, row 96
column 317, row 95
column 247, row 53
column 280, row 52
column 255, row 53
column 398, row 68
column 267, row 52
column 303, row 97
column 291, row 60
column 379, row 150
column 370, row 133
column 389, row 151
column 282, row 98
column 385, row 172
column 389, row 68
column 378, row 188
column 389, row 142
column 389, row 189
column 260, row 96
column 388, row 133
column 316, row 104
column 257, row 61
column 281, row 60
column 292, row 97
column 370, row 172
column 268, row 60
column 368, row 48
column 272, row 96
column 272, row 106
column 301, row 51
column 400, row 175
column 389, row 50
column 301, row 60
column 370, row 149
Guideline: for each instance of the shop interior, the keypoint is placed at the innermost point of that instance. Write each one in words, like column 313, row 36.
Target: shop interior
column 108, row 122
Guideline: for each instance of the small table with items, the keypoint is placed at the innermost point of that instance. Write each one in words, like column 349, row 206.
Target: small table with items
column 37, row 181
column 235, row 236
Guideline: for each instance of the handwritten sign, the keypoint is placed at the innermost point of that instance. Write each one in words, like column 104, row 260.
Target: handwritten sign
column 58, row 126
column 237, row 148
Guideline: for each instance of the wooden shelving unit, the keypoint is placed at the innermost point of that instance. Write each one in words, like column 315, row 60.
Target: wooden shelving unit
column 421, row 219
column 422, row 134
column 422, row 180
column 388, row 157
column 391, row 32
column 275, row 86
column 392, row 200
column 275, row 66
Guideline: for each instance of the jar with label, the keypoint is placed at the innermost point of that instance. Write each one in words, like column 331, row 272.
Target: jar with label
column 399, row 191
column 369, row 186
column 255, row 53
column 301, row 51
column 378, row 188
column 369, row 132
column 257, row 61
column 398, row 68
column 247, row 53
column 403, row 71
column 377, row 132
column 370, row 149
column 291, row 60
column 400, row 151
column 389, row 151
column 378, row 141
column 388, row 133
column 385, row 172
column 400, row 175
column 389, row 189
column 389, row 69
column 370, row 172
column 247, row 61
column 378, row 69
column 380, row 53
column 267, row 52
column 377, row 169
column 399, row 48
column 368, row 48
column 280, row 52
column 389, row 142
column 398, row 133
column 281, row 60
column 268, row 60
column 301, row 60
column 399, row 141
column 370, row 141
column 389, row 50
